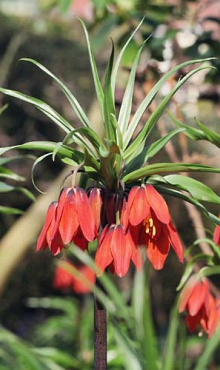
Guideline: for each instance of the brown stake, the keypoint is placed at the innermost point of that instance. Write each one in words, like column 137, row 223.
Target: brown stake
column 100, row 336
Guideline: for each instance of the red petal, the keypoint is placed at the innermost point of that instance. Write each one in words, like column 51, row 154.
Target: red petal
column 193, row 321
column 186, row 292
column 85, row 215
column 80, row 240
column 216, row 235
column 95, row 201
column 174, row 240
column 42, row 239
column 158, row 204
column 121, row 247
column 103, row 256
column 124, row 214
column 139, row 208
column 137, row 258
column 157, row 251
column 69, row 223
column 213, row 316
column 198, row 297
column 61, row 203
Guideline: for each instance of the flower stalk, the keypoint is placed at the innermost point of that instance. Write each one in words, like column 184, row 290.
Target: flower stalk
column 100, row 335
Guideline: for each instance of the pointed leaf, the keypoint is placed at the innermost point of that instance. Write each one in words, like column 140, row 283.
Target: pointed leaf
column 155, row 115
column 97, row 83
column 10, row 210
column 168, row 167
column 73, row 101
column 118, row 60
column 196, row 188
column 48, row 146
column 109, row 104
column 159, row 144
column 125, row 110
column 43, row 107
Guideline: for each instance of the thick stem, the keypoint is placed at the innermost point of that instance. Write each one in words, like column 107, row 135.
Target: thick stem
column 100, row 336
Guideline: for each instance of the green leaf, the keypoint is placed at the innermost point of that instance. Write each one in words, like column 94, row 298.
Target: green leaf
column 118, row 131
column 109, row 104
column 92, row 136
column 73, row 101
column 43, row 107
column 48, row 146
column 3, row 108
column 214, row 246
column 171, row 340
column 9, row 159
column 125, row 110
column 209, row 271
column 196, row 188
column 113, row 293
column 5, row 188
column 10, row 210
column 206, row 356
column 211, row 136
column 150, row 346
column 130, row 357
column 191, row 132
column 118, row 60
column 38, row 160
column 159, row 144
column 154, row 117
column 167, row 167
column 8, row 174
column 97, row 83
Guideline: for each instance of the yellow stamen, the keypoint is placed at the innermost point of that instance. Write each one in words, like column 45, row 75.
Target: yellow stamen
column 154, row 231
column 147, row 230
column 151, row 222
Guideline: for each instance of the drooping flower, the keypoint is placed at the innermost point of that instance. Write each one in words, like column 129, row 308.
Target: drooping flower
column 64, row 279
column 116, row 249
column 55, row 245
column 150, row 225
column 69, row 219
column 201, row 307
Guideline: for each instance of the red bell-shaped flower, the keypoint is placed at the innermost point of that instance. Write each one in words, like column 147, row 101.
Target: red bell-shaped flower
column 201, row 307
column 150, row 225
column 69, row 219
column 116, row 249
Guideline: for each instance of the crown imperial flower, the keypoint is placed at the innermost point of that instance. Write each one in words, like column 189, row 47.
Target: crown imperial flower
column 201, row 307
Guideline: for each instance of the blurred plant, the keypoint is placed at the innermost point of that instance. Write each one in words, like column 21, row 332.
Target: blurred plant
column 117, row 200
column 8, row 174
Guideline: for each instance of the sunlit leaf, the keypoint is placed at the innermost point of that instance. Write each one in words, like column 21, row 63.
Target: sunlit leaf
column 168, row 167
column 196, row 188
column 157, row 112
column 97, row 83
column 10, row 210
column 43, row 107
column 73, row 101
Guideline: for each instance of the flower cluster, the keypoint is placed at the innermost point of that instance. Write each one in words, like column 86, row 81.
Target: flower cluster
column 122, row 223
column 202, row 309
column 64, row 280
